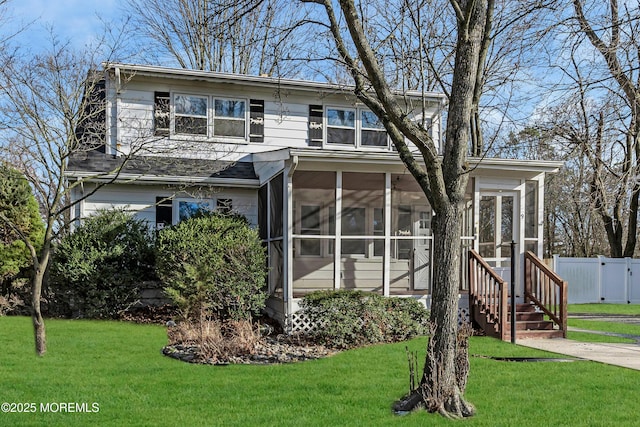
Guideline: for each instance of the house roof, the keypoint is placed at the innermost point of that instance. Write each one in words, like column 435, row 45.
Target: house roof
column 246, row 80
column 155, row 169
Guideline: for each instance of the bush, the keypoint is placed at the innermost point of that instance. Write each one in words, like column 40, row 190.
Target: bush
column 217, row 342
column 213, row 266
column 97, row 269
column 347, row 319
column 19, row 207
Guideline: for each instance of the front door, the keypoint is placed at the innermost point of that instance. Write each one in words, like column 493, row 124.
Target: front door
column 497, row 228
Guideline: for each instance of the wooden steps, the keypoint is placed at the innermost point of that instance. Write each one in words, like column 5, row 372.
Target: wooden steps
column 530, row 323
column 543, row 316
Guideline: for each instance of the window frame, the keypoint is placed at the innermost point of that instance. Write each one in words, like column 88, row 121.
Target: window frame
column 363, row 129
column 358, row 130
column 329, row 126
column 177, row 115
column 211, row 117
column 244, row 118
column 176, row 207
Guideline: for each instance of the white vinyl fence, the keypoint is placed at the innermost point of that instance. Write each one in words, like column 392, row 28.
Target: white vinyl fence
column 593, row 280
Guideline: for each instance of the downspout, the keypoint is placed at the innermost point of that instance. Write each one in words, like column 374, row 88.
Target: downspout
column 294, row 165
column 288, row 241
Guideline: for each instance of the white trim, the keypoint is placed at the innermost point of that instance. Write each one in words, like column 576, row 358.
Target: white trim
column 386, row 267
column 337, row 251
column 287, row 241
column 175, row 206
column 124, row 178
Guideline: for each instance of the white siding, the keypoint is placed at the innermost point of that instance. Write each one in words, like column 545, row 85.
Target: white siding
column 141, row 199
column 135, row 118
column 286, row 125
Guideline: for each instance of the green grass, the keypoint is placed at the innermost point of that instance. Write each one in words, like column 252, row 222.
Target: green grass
column 624, row 309
column 597, row 338
column 120, row 367
column 604, row 326
column 597, row 325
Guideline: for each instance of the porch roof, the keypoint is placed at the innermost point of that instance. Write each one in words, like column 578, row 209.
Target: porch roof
column 391, row 160
column 100, row 167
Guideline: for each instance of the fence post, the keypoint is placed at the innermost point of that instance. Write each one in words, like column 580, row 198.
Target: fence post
column 600, row 269
column 627, row 279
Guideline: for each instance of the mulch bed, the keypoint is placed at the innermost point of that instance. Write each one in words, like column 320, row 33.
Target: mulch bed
column 274, row 348
column 269, row 350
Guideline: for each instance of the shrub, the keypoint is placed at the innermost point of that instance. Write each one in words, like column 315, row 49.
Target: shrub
column 97, row 269
column 217, row 342
column 21, row 218
column 347, row 318
column 213, row 266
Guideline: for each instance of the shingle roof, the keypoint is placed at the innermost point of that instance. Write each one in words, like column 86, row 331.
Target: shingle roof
column 100, row 163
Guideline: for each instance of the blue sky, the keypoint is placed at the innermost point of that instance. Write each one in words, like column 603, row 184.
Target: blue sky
column 76, row 20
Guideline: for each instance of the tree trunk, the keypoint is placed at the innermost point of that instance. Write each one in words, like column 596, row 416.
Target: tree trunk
column 36, row 314
column 444, row 376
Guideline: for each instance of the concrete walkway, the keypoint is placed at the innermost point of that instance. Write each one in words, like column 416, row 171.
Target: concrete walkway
column 625, row 355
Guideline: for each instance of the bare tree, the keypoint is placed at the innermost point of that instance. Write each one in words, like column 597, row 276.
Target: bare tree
column 442, row 178
column 246, row 36
column 594, row 116
column 52, row 108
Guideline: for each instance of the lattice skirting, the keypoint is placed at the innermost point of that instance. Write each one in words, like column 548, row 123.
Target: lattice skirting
column 299, row 323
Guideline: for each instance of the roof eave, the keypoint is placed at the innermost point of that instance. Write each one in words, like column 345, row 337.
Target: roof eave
column 164, row 180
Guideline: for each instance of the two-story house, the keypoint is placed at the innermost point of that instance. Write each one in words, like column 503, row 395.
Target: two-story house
column 306, row 163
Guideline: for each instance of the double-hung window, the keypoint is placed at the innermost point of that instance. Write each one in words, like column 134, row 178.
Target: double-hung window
column 191, row 114
column 210, row 116
column 341, row 126
column 372, row 131
column 354, row 127
column 229, row 118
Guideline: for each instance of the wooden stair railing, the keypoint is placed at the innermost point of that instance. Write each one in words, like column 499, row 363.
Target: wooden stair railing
column 546, row 290
column 488, row 297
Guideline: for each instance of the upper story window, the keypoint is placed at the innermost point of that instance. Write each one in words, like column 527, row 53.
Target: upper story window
column 354, row 127
column 341, row 126
column 208, row 116
column 372, row 131
column 191, row 114
column 229, row 118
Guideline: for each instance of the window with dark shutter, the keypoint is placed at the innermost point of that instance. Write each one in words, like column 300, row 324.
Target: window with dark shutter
column 161, row 114
column 256, row 120
column 315, row 125
column 164, row 212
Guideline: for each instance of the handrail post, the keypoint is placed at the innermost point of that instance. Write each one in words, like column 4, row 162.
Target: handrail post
column 527, row 277
column 564, row 299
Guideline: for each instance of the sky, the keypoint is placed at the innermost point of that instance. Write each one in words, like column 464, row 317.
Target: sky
column 76, row 20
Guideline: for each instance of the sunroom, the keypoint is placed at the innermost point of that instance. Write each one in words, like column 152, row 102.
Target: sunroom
column 349, row 220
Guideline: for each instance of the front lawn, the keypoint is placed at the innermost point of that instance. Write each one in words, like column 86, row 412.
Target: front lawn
column 620, row 309
column 119, row 366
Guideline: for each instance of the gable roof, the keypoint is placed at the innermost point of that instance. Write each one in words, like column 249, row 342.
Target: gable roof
column 247, row 80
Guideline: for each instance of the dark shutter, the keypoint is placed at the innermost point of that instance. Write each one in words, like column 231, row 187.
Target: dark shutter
column 256, row 120
column 161, row 115
column 315, row 125
column 164, row 212
column 91, row 131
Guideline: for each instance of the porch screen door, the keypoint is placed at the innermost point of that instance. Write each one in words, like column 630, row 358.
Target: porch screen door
column 422, row 251
column 498, row 222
